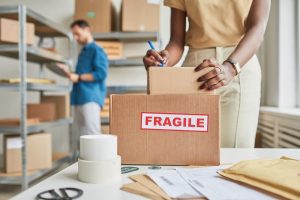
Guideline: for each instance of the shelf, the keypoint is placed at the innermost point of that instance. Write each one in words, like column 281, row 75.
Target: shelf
column 127, row 36
column 34, row 54
column 43, row 26
column 35, row 128
column 126, row 89
column 104, row 120
column 37, row 87
column 126, row 62
column 16, row 178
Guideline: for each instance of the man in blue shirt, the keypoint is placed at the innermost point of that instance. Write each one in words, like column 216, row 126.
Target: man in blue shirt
column 89, row 88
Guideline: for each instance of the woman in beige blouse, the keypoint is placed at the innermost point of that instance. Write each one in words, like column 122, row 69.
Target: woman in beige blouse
column 224, row 34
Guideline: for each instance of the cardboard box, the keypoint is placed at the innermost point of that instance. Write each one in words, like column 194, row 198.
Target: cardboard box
column 113, row 49
column 175, row 80
column 43, row 111
column 9, row 31
column 39, row 152
column 96, row 12
column 62, row 105
column 166, row 129
column 140, row 15
column 16, row 121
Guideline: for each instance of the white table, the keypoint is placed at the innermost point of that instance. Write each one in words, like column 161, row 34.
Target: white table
column 68, row 176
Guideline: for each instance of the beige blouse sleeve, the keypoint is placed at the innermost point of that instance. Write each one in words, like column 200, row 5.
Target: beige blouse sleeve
column 178, row 4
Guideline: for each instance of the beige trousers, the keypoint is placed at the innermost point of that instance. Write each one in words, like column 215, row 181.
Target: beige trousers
column 240, row 99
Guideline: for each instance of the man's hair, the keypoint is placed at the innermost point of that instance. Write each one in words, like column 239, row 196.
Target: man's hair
column 81, row 23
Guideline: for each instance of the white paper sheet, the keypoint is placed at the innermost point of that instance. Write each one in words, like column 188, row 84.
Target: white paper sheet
column 213, row 186
column 173, row 184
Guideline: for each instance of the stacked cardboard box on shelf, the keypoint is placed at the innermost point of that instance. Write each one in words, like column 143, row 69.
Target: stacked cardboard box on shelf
column 61, row 103
column 39, row 152
column 113, row 49
column 16, row 121
column 42, row 111
column 9, row 31
column 167, row 129
column 97, row 13
column 142, row 15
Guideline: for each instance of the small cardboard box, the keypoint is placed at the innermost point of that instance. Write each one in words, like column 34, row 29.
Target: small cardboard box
column 96, row 12
column 43, row 111
column 166, row 129
column 39, row 152
column 140, row 15
column 16, row 121
column 113, row 49
column 62, row 105
column 175, row 80
column 9, row 31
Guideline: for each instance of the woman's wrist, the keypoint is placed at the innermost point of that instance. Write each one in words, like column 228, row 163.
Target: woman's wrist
column 231, row 68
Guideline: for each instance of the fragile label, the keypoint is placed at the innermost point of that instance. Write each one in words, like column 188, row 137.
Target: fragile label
column 174, row 122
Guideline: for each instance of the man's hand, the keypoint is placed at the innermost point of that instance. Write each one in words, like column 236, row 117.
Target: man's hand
column 216, row 78
column 74, row 77
column 64, row 67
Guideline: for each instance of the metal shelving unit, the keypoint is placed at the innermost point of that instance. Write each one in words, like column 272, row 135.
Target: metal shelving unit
column 36, row 87
column 125, row 62
column 34, row 54
column 127, row 36
column 36, row 127
column 32, row 176
column 25, row 53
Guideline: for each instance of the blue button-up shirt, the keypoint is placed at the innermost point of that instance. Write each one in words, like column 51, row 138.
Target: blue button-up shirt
column 92, row 59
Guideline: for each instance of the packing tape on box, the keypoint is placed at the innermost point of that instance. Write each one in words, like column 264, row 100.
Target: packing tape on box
column 98, row 147
column 100, row 172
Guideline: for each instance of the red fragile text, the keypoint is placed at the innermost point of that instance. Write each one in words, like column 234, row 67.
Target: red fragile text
column 174, row 121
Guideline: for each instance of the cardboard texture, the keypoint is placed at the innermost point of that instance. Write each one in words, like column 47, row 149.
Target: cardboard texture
column 16, row 121
column 9, row 31
column 43, row 111
column 140, row 15
column 39, row 152
column 175, row 80
column 196, row 143
column 113, row 49
column 62, row 105
column 96, row 12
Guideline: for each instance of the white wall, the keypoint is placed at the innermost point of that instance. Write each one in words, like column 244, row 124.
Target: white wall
column 61, row 11
column 279, row 56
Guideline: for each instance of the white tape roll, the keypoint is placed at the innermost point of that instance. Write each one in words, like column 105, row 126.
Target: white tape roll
column 100, row 172
column 98, row 147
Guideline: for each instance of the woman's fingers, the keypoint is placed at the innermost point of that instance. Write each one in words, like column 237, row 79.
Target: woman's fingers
column 155, row 58
column 218, row 85
column 155, row 54
column 165, row 55
column 206, row 63
column 150, row 61
column 214, row 82
column 216, row 71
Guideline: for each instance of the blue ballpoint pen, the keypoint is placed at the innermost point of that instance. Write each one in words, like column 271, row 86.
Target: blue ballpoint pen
column 153, row 48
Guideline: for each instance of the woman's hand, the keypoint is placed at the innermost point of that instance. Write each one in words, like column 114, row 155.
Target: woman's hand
column 221, row 75
column 155, row 58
